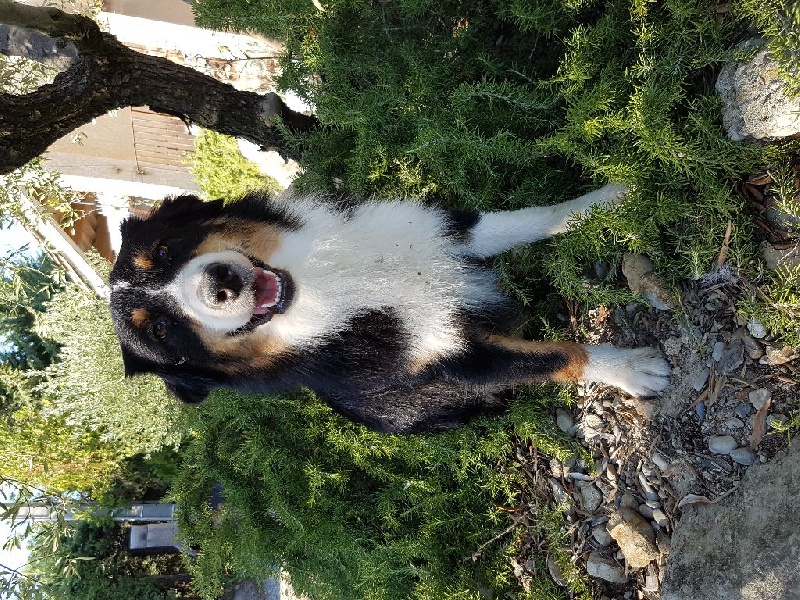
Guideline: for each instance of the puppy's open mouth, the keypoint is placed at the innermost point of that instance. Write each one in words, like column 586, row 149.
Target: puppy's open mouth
column 272, row 292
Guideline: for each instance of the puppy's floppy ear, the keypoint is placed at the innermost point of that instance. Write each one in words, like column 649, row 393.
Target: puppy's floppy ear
column 187, row 390
column 132, row 364
column 176, row 207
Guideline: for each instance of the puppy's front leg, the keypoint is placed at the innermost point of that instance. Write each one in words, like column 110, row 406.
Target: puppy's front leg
column 496, row 232
column 637, row 371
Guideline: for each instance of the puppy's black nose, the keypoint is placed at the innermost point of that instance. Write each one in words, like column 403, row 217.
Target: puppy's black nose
column 224, row 283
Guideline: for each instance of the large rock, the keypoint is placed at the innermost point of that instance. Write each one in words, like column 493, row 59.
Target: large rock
column 756, row 104
column 746, row 547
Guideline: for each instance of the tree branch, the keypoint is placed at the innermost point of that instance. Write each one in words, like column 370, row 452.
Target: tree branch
column 108, row 75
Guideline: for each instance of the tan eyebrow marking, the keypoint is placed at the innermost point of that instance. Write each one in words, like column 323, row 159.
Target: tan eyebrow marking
column 143, row 262
column 140, row 318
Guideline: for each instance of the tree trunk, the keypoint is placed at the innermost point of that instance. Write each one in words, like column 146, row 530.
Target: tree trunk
column 107, row 75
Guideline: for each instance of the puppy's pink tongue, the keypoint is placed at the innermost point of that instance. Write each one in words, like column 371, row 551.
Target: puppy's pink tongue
column 266, row 288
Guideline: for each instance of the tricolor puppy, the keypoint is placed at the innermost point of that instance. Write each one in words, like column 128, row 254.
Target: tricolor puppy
column 385, row 309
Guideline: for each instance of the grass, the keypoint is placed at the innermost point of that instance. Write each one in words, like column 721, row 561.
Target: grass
column 490, row 105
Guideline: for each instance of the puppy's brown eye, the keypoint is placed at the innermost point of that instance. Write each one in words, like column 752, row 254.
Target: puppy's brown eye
column 161, row 251
column 160, row 329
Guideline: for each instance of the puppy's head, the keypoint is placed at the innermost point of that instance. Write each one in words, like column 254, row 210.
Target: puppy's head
column 192, row 287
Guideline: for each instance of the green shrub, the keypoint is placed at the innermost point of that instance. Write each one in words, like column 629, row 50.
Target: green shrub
column 87, row 385
column 499, row 105
column 222, row 171
column 347, row 512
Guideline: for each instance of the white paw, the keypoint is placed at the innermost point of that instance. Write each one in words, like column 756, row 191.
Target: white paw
column 637, row 371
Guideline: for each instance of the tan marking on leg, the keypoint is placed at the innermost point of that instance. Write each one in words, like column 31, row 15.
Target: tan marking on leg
column 576, row 354
column 140, row 318
column 143, row 261
column 256, row 240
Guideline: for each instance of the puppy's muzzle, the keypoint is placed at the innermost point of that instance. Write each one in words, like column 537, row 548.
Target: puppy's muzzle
column 222, row 284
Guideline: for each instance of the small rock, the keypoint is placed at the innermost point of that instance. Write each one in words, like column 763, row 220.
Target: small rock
column 555, row 571
column 716, row 353
column 559, row 493
column 638, row 270
column 775, row 257
column 743, row 410
column 664, row 542
column 635, row 537
column 700, row 379
column 605, row 569
column 651, row 580
column 756, row 328
column 646, row 511
column 591, row 497
column 565, row 421
column 734, row 423
column 700, row 410
column 594, row 421
column 732, row 356
column 558, row 469
column 751, row 346
column 649, row 493
column 780, row 356
column 744, row 456
column 759, row 398
column 721, row 444
column 601, row 535
column 659, row 460
column 776, row 419
column 660, row 517
column 628, row 501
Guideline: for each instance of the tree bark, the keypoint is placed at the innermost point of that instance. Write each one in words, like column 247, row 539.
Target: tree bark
column 107, row 75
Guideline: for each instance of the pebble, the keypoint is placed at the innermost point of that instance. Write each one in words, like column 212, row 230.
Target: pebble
column 721, row 444
column 700, row 410
column 780, row 356
column 664, row 542
column 743, row 410
column 628, row 501
column 559, row 493
column 646, row 511
column 605, row 569
column 716, row 353
column 554, row 570
column 591, row 497
column 651, row 580
column 601, row 535
column 733, row 356
column 759, row 398
column 777, row 418
column 756, row 328
column 565, row 421
column 659, row 460
column 744, row 456
column 734, row 423
column 660, row 517
column 593, row 421
column 649, row 492
column 700, row 379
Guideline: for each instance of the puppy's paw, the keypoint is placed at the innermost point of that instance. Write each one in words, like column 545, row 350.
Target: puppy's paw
column 637, row 371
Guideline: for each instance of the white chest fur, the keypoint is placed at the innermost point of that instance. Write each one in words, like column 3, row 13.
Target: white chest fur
column 382, row 255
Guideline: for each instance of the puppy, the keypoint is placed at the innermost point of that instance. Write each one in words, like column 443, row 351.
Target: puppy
column 385, row 309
